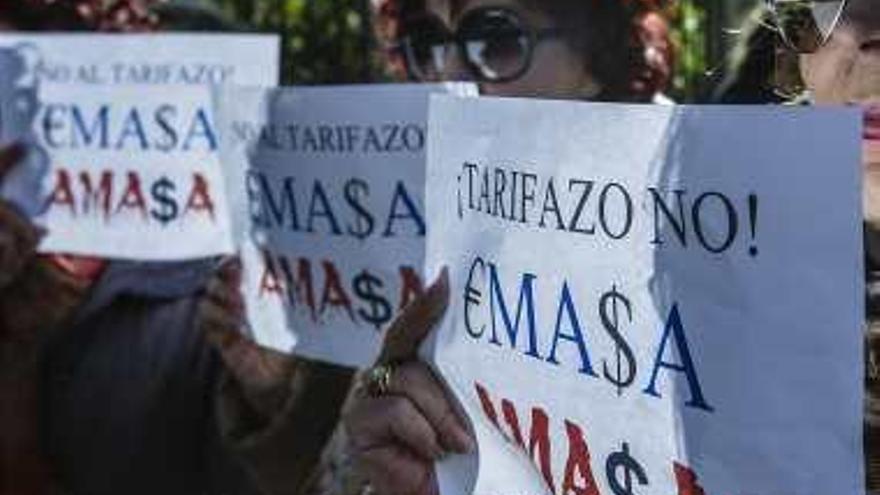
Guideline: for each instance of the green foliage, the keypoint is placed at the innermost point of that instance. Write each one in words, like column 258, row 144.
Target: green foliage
column 688, row 19
column 323, row 41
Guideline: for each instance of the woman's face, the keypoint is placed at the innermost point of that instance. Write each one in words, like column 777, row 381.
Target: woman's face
column 846, row 71
column 557, row 70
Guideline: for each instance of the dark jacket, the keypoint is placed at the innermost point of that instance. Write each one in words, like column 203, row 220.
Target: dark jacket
column 128, row 391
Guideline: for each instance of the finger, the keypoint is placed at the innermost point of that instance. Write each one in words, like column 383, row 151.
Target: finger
column 415, row 381
column 254, row 366
column 231, row 270
column 381, row 421
column 219, row 326
column 10, row 156
column 225, row 294
column 13, row 221
column 416, row 321
column 394, row 470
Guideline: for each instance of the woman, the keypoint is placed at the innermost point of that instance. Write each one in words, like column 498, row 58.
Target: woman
column 839, row 47
column 840, row 65
column 116, row 359
column 839, row 43
column 402, row 420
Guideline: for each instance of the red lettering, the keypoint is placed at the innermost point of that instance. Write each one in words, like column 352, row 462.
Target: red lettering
column 302, row 284
column 539, row 443
column 486, row 402
column 297, row 287
column 200, row 197
column 98, row 198
column 578, row 463
column 686, row 480
column 62, row 194
column 133, row 197
column 539, row 431
column 334, row 294
column 269, row 281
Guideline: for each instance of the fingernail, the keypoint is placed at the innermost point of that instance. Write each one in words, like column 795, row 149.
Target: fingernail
column 441, row 282
column 463, row 443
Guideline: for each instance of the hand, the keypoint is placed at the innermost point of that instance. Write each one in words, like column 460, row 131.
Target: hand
column 18, row 237
column 263, row 375
column 397, row 435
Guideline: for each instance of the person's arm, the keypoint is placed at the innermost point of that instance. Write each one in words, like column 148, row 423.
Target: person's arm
column 276, row 412
column 35, row 298
column 403, row 420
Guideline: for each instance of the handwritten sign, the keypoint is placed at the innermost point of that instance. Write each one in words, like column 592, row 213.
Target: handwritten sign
column 649, row 300
column 124, row 150
column 326, row 188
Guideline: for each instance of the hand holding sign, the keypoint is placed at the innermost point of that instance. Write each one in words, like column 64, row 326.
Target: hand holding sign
column 400, row 427
column 263, row 375
column 18, row 237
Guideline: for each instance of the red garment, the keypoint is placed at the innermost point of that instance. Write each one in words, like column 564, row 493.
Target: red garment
column 81, row 267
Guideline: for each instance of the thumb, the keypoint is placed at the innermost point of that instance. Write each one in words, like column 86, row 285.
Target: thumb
column 416, row 321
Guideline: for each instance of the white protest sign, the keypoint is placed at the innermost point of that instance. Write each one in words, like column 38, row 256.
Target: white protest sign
column 166, row 58
column 326, row 189
column 135, row 173
column 649, row 300
column 119, row 125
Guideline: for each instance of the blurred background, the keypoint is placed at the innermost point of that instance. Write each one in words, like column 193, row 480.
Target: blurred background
column 329, row 41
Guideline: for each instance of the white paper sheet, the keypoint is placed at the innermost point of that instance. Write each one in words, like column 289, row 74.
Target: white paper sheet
column 326, row 188
column 54, row 98
column 680, row 312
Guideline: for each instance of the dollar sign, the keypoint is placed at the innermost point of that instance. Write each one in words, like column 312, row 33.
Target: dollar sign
column 622, row 460
column 366, row 286
column 611, row 322
column 167, row 210
column 364, row 224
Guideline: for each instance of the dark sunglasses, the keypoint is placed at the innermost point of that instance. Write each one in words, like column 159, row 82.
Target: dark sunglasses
column 806, row 25
column 494, row 42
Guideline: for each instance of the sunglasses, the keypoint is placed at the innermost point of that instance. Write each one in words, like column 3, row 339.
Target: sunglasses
column 806, row 25
column 495, row 44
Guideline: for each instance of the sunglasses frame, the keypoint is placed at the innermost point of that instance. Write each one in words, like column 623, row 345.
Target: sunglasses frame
column 454, row 38
column 771, row 6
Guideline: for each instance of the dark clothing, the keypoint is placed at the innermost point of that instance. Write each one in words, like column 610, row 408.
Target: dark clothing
column 128, row 391
column 872, row 361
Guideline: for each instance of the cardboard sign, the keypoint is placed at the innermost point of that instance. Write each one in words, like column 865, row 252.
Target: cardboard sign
column 326, row 188
column 650, row 300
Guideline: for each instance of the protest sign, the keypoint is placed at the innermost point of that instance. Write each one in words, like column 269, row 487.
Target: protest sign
column 326, row 190
column 167, row 58
column 135, row 172
column 123, row 142
column 649, row 300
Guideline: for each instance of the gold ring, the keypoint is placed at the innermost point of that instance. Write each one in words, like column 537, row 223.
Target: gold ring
column 377, row 380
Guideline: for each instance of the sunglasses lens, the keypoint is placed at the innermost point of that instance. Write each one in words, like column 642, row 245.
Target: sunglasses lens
column 806, row 25
column 425, row 44
column 495, row 43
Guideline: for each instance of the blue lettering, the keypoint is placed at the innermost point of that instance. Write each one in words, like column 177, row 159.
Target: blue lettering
column 674, row 328
column 526, row 300
column 566, row 305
